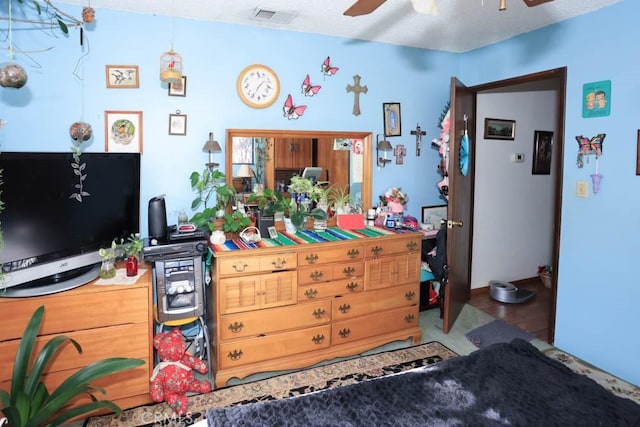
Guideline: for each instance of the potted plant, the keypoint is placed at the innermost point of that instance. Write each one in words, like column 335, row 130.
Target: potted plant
column 268, row 203
column 108, row 266
column 132, row 249
column 206, row 184
column 29, row 403
column 235, row 222
column 297, row 215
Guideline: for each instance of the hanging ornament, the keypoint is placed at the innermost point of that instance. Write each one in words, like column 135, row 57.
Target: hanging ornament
column 80, row 132
column 88, row 15
column 13, row 75
column 171, row 67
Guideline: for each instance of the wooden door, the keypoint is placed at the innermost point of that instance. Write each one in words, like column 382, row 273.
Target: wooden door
column 460, row 206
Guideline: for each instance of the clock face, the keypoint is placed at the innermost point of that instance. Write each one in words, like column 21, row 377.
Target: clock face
column 258, row 86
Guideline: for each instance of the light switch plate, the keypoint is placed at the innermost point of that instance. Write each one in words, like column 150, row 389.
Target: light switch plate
column 582, row 189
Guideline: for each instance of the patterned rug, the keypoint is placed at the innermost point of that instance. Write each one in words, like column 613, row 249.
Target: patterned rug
column 293, row 384
column 606, row 380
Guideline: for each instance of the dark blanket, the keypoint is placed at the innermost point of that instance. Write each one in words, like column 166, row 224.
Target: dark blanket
column 503, row 384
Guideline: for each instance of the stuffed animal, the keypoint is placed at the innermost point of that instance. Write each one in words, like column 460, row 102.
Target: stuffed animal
column 173, row 377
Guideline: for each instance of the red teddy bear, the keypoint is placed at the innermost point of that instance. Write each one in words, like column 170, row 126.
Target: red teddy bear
column 173, row 377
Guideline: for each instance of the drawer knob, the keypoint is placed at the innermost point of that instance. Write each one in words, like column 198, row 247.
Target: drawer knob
column 345, row 308
column 412, row 245
column 348, row 271
column 376, row 250
column 409, row 318
column 353, row 253
column 318, row 339
column 235, row 355
column 409, row 296
column 319, row 313
column 316, row 276
column 279, row 263
column 351, row 287
column 239, row 267
column 344, row 333
column 311, row 258
column 311, row 293
column 236, row 327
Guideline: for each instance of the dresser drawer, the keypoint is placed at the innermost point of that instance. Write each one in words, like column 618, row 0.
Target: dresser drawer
column 354, row 251
column 330, row 289
column 375, row 249
column 251, row 350
column 328, row 272
column 375, row 324
column 231, row 266
column 372, row 302
column 254, row 323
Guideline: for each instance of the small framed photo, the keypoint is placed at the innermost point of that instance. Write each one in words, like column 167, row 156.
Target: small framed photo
column 178, row 88
column 434, row 215
column 123, row 131
column 122, row 77
column 499, row 129
column 596, row 98
column 392, row 123
column 177, row 124
column 542, row 149
column 242, row 150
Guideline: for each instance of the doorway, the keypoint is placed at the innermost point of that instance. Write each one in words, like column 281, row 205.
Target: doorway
column 521, row 89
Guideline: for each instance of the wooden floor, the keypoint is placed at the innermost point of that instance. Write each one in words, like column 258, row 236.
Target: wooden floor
column 532, row 316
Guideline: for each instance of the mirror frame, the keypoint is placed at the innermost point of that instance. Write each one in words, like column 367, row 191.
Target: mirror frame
column 367, row 138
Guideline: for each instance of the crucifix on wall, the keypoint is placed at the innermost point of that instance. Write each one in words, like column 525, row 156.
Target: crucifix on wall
column 357, row 90
column 399, row 152
column 418, row 133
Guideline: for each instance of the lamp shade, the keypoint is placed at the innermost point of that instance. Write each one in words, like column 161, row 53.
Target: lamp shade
column 245, row 171
column 384, row 145
column 211, row 145
column 170, row 67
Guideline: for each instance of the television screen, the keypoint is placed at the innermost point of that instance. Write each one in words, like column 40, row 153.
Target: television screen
column 56, row 216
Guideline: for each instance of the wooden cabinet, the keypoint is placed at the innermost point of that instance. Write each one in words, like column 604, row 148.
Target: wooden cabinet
column 107, row 321
column 293, row 153
column 284, row 308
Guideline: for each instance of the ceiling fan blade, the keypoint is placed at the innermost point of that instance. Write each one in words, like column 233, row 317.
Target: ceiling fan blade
column 363, row 7
column 532, row 3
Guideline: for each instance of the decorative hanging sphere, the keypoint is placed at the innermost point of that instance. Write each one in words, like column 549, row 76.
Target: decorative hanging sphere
column 13, row 75
column 80, row 131
column 88, row 15
column 170, row 67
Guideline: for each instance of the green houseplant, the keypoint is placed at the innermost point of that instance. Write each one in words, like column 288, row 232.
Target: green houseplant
column 206, row 184
column 235, row 222
column 29, row 403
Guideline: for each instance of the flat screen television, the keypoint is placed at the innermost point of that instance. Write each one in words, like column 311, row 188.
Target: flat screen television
column 51, row 238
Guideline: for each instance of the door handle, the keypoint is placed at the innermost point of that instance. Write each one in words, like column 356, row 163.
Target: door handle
column 451, row 223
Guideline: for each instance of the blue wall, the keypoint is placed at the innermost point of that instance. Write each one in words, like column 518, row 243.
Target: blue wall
column 597, row 293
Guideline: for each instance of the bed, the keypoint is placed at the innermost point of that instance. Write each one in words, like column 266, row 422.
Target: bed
column 503, row 384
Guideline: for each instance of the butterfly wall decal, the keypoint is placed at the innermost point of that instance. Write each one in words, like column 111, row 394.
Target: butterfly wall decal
column 591, row 146
column 308, row 89
column 291, row 111
column 327, row 68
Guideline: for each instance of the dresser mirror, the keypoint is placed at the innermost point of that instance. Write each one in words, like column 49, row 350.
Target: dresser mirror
column 345, row 159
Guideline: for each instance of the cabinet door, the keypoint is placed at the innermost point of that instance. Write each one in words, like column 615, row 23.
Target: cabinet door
column 254, row 292
column 278, row 289
column 393, row 270
column 293, row 153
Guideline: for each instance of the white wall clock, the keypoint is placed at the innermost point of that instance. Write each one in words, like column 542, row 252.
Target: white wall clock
column 258, row 86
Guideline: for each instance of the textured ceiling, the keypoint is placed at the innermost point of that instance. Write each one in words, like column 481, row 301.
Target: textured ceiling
column 461, row 25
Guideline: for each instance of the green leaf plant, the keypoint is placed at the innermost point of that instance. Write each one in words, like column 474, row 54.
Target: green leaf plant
column 29, row 404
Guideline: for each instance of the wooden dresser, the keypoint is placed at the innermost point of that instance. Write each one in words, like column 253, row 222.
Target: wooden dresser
column 292, row 306
column 107, row 321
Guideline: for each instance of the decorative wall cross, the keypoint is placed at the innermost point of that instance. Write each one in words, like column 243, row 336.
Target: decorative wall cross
column 356, row 89
column 418, row 133
column 399, row 152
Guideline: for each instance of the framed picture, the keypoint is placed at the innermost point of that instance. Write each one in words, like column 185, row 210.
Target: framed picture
column 542, row 149
column 392, row 122
column 242, row 150
column 123, row 131
column 177, row 124
column 499, row 129
column 178, row 88
column 434, row 214
column 122, row 77
column 596, row 99
column 638, row 155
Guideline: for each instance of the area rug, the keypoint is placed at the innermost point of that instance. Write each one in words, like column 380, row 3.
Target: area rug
column 496, row 331
column 606, row 380
column 293, row 384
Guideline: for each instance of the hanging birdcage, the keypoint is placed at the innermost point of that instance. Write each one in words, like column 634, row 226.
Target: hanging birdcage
column 170, row 67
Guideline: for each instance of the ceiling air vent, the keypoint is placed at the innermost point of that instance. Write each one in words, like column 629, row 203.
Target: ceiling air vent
column 273, row 16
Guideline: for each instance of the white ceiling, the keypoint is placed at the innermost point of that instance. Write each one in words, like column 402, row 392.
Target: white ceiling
column 461, row 25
